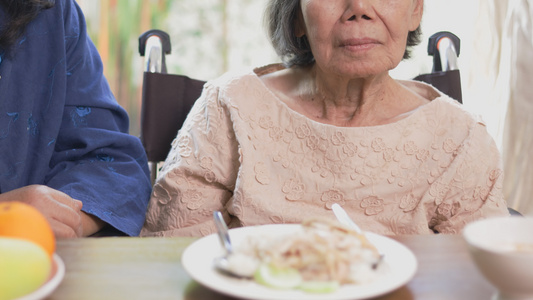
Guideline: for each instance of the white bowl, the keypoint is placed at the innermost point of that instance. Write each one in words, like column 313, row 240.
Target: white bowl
column 502, row 249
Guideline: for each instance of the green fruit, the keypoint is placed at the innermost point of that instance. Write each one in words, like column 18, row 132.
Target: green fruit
column 24, row 267
column 278, row 278
column 319, row 287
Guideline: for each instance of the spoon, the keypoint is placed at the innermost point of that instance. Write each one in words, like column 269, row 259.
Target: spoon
column 344, row 219
column 225, row 263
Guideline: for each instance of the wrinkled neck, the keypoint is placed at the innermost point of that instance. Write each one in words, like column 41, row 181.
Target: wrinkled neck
column 347, row 100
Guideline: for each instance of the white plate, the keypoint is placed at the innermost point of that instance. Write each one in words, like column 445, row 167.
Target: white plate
column 56, row 276
column 398, row 267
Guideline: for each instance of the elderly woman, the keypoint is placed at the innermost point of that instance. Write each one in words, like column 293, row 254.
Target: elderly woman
column 283, row 143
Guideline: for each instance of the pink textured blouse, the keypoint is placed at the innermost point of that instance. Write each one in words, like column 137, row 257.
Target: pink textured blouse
column 245, row 152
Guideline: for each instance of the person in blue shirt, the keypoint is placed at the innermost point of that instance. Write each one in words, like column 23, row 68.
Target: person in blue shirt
column 64, row 142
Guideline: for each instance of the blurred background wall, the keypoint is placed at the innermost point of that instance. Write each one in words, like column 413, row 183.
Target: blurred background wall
column 210, row 37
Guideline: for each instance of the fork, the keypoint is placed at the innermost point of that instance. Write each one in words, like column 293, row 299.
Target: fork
column 343, row 218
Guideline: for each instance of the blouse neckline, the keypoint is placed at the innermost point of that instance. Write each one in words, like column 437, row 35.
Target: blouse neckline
column 415, row 86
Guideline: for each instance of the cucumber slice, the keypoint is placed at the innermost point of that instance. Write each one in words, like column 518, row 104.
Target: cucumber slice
column 319, row 287
column 278, row 278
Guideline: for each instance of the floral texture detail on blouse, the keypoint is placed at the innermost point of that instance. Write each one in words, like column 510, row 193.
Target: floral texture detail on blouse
column 245, row 152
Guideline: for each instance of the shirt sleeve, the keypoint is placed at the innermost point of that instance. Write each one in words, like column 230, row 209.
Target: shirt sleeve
column 471, row 188
column 95, row 159
column 199, row 174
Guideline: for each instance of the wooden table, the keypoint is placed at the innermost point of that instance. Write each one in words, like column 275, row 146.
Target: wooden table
column 150, row 268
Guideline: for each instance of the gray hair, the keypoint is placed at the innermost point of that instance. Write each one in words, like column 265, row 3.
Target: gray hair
column 280, row 20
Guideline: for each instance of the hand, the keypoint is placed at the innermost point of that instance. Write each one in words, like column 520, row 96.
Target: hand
column 62, row 212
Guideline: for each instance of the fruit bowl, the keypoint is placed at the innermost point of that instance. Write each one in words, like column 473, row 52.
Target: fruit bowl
column 502, row 249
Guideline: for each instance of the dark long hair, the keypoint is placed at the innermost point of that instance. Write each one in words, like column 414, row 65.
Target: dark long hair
column 18, row 14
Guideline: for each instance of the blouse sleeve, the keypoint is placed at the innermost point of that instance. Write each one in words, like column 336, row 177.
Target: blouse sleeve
column 199, row 174
column 471, row 187
column 95, row 160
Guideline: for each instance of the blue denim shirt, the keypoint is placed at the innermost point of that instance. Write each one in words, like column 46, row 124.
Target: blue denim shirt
column 61, row 126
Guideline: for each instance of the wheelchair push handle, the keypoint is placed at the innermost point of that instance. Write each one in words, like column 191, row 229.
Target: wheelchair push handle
column 154, row 45
column 445, row 47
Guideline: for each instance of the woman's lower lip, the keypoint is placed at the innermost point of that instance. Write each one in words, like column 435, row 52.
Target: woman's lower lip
column 359, row 47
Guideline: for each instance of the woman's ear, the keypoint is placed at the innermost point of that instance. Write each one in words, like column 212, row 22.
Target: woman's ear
column 299, row 24
column 416, row 15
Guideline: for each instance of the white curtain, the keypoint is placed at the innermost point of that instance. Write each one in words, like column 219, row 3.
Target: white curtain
column 516, row 65
column 499, row 80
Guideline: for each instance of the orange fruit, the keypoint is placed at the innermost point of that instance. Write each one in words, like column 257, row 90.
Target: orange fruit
column 23, row 221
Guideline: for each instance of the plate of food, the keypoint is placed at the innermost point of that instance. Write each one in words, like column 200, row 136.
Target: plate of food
column 314, row 260
column 56, row 276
